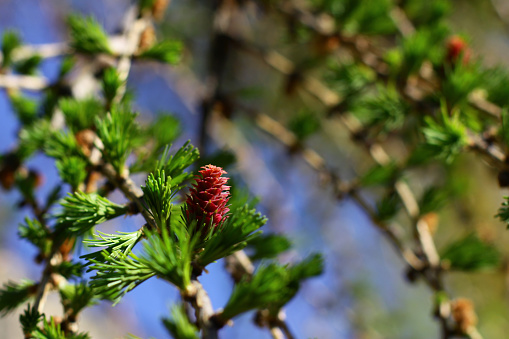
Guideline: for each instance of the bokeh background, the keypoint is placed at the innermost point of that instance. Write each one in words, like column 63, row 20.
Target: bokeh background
column 363, row 292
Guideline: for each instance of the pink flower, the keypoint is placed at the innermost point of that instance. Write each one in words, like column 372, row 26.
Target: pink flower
column 206, row 201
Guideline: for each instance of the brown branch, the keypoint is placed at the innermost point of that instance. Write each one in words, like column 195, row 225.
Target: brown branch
column 204, row 312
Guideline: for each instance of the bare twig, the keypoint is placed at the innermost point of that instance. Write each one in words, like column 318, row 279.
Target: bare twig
column 27, row 82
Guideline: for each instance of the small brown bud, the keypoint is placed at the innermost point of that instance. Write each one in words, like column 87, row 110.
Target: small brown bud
column 36, row 177
column 326, row 44
column 7, row 177
column 147, row 39
column 463, row 314
column 8, row 168
column 159, row 8
column 66, row 248
column 85, row 139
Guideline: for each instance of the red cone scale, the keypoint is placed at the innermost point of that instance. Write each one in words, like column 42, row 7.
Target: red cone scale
column 208, row 198
column 457, row 50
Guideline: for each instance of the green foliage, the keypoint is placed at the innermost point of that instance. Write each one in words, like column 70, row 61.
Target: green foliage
column 25, row 108
column 340, row 10
column 266, row 287
column 446, row 138
column 77, row 297
column 161, row 132
column 29, row 319
column 503, row 212
column 146, row 4
column 10, row 41
column 311, row 266
column 72, row 170
column 388, row 206
column 157, row 195
column 496, row 84
column 460, row 81
column 272, row 286
column 304, row 124
column 165, row 129
column 116, row 132
column 119, row 244
column 66, row 66
column 14, row 294
column 380, row 175
column 26, row 182
column 117, row 275
column 50, row 330
column 33, row 231
column 348, row 79
column 179, row 326
column 29, row 65
column 53, row 330
column 433, row 199
column 422, row 154
column 426, row 13
column 424, row 44
column 87, row 36
column 82, row 211
column 268, row 246
column 175, row 165
column 471, row 254
column 33, row 138
column 386, row 110
column 59, row 144
column 168, row 257
column 53, row 197
column 370, row 17
column 82, row 335
column 70, row 270
column 111, row 83
column 230, row 236
column 80, row 114
column 169, row 51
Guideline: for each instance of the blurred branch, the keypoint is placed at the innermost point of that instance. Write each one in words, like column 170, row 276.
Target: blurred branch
column 330, row 178
column 431, row 269
column 240, row 267
column 45, row 51
column 330, row 100
column 132, row 35
column 26, row 82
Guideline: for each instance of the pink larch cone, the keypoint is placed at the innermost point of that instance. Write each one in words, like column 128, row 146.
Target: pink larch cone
column 207, row 199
